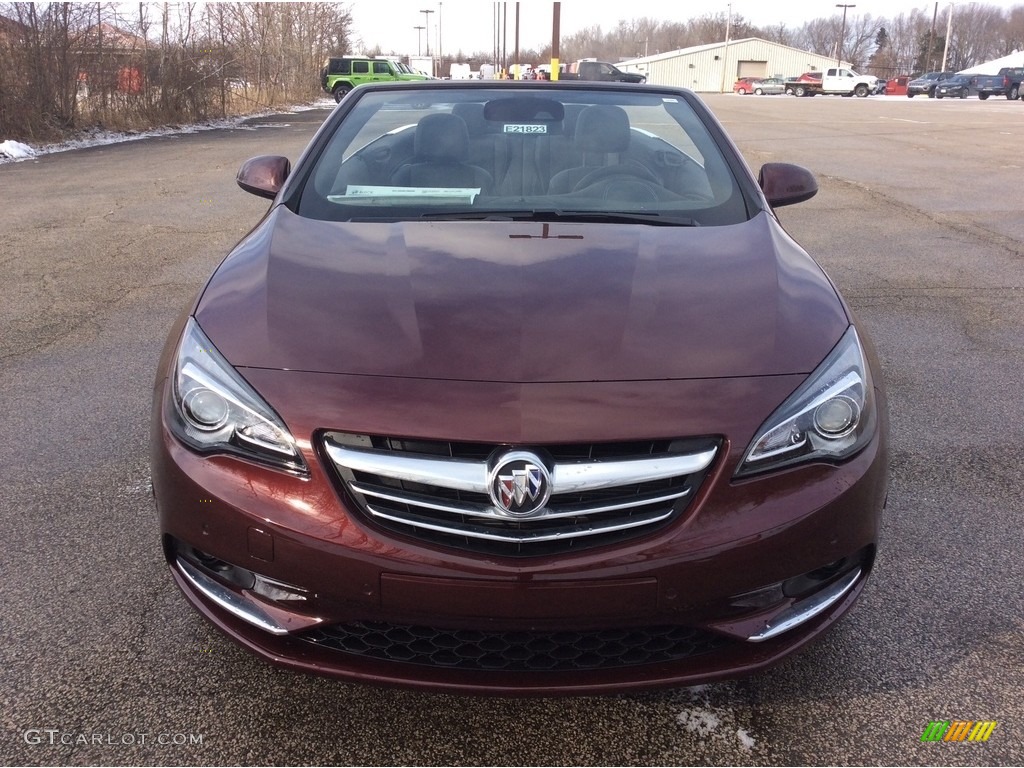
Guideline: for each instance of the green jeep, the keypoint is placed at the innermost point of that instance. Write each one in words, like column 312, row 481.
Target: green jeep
column 341, row 75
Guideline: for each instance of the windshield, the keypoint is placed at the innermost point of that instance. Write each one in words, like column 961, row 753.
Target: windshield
column 505, row 153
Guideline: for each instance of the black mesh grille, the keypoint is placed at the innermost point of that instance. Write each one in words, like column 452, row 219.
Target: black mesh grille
column 516, row 651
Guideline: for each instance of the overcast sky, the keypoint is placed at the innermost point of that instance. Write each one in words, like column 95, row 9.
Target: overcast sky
column 467, row 24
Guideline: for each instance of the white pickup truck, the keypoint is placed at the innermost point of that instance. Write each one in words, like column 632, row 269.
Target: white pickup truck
column 837, row 80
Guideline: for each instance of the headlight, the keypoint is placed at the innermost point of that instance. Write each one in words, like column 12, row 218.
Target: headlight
column 218, row 412
column 830, row 417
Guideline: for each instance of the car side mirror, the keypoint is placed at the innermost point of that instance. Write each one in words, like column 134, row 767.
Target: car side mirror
column 786, row 184
column 263, row 175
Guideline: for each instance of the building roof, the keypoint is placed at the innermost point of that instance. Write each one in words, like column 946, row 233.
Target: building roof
column 110, row 36
column 10, row 28
column 1015, row 59
column 713, row 46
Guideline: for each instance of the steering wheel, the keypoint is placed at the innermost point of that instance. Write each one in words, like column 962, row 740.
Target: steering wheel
column 611, row 171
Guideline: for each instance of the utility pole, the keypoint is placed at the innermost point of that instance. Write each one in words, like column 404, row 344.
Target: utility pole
column 842, row 34
column 929, row 60
column 556, row 33
column 725, row 51
column 949, row 31
column 517, row 65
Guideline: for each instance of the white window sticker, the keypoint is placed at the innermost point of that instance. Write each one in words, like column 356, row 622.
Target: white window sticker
column 525, row 128
column 371, row 194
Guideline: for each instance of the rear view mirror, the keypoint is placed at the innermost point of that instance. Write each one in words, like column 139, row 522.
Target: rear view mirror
column 524, row 114
column 786, row 184
column 263, row 175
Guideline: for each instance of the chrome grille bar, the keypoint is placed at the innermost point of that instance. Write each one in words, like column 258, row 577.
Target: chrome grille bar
column 441, row 492
column 456, row 474
column 570, row 477
column 595, row 475
column 522, row 536
column 554, row 510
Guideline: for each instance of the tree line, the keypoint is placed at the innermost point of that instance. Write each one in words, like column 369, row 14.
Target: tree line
column 908, row 43
column 66, row 66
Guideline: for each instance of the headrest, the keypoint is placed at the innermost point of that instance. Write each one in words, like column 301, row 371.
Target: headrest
column 473, row 115
column 442, row 137
column 572, row 115
column 602, row 128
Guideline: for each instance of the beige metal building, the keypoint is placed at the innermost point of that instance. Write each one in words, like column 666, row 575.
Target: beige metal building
column 715, row 67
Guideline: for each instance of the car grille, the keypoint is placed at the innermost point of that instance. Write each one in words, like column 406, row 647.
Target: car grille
column 516, row 651
column 439, row 491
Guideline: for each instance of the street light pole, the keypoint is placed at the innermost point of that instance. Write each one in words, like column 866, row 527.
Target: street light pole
column 725, row 50
column 842, row 35
column 419, row 39
column 426, row 21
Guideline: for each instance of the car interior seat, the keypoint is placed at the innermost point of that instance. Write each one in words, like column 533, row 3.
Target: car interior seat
column 601, row 136
column 440, row 155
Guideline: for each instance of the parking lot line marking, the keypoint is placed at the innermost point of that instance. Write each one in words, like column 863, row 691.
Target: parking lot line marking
column 903, row 120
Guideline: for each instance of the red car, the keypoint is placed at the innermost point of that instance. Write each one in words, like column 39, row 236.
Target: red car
column 520, row 388
column 744, row 85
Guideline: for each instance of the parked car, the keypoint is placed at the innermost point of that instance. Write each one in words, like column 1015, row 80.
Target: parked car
column 744, row 85
column 769, row 86
column 440, row 423
column 835, row 81
column 341, row 74
column 958, row 86
column 1005, row 83
column 592, row 69
column 897, row 86
column 925, row 84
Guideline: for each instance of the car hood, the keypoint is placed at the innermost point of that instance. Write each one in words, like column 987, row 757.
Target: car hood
column 521, row 301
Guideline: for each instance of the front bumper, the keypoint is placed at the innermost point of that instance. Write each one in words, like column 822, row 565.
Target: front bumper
column 706, row 598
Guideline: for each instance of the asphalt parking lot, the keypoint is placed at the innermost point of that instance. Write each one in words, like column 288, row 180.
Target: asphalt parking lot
column 918, row 221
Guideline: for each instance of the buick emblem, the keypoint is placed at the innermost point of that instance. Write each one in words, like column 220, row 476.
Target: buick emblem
column 519, row 484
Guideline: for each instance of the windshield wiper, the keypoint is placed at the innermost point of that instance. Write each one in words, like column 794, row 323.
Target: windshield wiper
column 557, row 214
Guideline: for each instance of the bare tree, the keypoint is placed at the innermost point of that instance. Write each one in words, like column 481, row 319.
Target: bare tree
column 65, row 66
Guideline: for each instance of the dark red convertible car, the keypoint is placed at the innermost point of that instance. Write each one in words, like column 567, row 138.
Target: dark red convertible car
column 520, row 388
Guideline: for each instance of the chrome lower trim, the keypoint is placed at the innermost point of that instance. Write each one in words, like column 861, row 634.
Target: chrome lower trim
column 807, row 609
column 232, row 602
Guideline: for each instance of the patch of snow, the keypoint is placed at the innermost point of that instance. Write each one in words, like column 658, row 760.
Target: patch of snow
column 142, row 486
column 746, row 740
column 15, row 150
column 712, row 722
column 703, row 722
column 327, row 103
